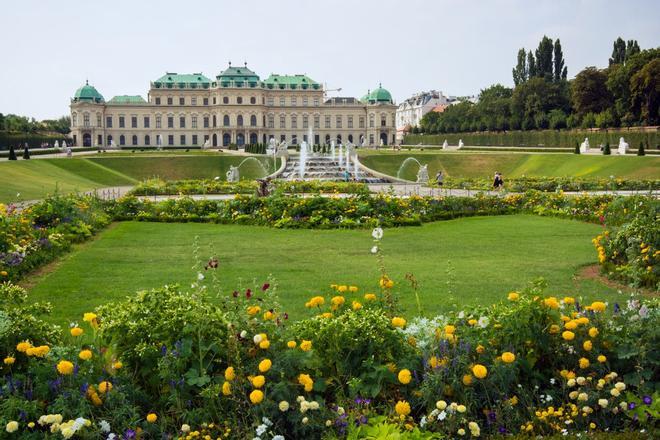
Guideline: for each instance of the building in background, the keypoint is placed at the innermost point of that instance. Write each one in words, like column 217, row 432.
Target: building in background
column 235, row 108
column 410, row 112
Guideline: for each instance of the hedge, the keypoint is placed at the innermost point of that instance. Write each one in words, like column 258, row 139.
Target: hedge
column 33, row 140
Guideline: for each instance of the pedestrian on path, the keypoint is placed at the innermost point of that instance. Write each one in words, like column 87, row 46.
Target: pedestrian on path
column 498, row 182
column 439, row 178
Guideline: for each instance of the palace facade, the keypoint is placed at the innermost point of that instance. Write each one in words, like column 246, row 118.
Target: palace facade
column 236, row 108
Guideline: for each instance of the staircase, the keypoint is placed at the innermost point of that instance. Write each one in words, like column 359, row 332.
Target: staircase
column 324, row 168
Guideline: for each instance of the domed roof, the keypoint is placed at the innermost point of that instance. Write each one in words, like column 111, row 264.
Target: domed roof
column 378, row 95
column 88, row 93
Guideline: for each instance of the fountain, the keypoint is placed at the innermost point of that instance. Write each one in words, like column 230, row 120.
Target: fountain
column 272, row 146
column 356, row 167
column 159, row 142
column 303, row 159
column 410, row 160
column 348, row 159
column 233, row 174
column 623, row 146
column 310, row 138
column 460, row 144
column 423, row 174
column 584, row 146
column 341, row 155
column 332, row 150
column 445, row 145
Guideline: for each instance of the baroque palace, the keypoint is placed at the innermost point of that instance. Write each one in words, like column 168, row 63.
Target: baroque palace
column 237, row 108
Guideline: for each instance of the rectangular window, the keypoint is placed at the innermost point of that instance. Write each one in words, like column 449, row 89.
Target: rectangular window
column 98, row 121
column 327, row 121
column 350, row 122
column 147, row 140
column 305, row 121
column 206, row 122
column 169, row 100
column 158, row 121
column 282, row 101
column 121, row 122
column 183, row 139
column 194, row 123
column 294, row 121
column 146, row 122
column 158, row 100
column 108, row 121
column 122, row 140
column 99, row 140
column 194, row 142
column 317, row 121
column 133, row 121
column 271, row 101
column 294, row 101
column 304, row 101
column 271, row 121
column 316, row 102
column 170, row 122
column 371, row 121
column 371, row 139
column 282, row 121
column 206, row 101
column 193, row 100
column 86, row 120
column 170, row 139
column 182, row 121
column 214, row 100
column 361, row 121
column 338, row 121
column 382, row 122
column 282, row 137
column 182, row 100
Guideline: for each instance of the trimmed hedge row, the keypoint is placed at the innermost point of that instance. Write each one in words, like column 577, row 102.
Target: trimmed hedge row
column 33, row 140
column 43, row 151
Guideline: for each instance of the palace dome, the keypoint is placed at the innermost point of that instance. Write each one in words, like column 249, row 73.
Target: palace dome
column 378, row 95
column 87, row 93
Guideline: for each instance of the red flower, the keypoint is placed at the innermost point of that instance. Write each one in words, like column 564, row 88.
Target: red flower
column 265, row 287
column 235, row 294
column 248, row 294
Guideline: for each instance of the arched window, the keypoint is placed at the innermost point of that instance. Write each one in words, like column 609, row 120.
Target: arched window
column 147, row 140
column 253, row 100
column 350, row 138
column 215, row 121
column 122, row 140
column 239, row 120
column 134, row 139
column 239, row 100
column 253, row 121
column 225, row 120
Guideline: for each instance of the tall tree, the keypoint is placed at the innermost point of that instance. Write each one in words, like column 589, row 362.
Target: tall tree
column 520, row 74
column 544, row 59
column 531, row 65
column 632, row 47
column 645, row 92
column 589, row 91
column 561, row 71
column 618, row 52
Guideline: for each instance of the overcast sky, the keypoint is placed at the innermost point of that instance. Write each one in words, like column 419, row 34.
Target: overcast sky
column 457, row 46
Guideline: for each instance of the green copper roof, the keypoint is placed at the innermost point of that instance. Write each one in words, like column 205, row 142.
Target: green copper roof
column 237, row 77
column 290, row 81
column 127, row 99
column 182, row 81
column 87, row 93
column 378, row 95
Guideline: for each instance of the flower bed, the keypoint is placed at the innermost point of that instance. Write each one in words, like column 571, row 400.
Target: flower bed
column 552, row 184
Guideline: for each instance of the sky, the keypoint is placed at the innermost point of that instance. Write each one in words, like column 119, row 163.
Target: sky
column 456, row 46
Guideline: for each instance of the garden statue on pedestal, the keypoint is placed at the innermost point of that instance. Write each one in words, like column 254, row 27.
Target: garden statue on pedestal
column 68, row 151
column 207, row 144
column 445, row 145
column 460, row 144
column 584, row 146
column 623, row 146
column 232, row 174
column 362, row 141
column 272, row 146
column 423, row 174
column 282, row 148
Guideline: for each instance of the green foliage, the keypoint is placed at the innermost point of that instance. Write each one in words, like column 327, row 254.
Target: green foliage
column 12, row 153
column 606, row 149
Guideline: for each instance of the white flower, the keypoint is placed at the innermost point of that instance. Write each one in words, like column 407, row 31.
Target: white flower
column 552, row 381
column 216, row 178
column 112, row 437
column 261, row 429
column 643, row 311
column 377, row 233
column 314, row 405
column 243, row 334
column 266, row 421
column 305, row 420
column 374, row 250
column 602, row 403
column 185, row 428
column 340, row 410
column 278, row 437
column 328, row 423
column 422, row 422
column 105, row 426
column 483, row 322
column 442, row 415
column 461, row 314
column 257, row 338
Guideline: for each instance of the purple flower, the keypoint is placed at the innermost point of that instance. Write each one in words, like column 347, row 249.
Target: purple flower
column 163, row 350
column 647, row 400
column 631, row 405
column 617, row 309
column 129, row 434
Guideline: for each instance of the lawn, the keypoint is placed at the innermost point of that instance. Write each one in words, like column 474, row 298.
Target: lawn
column 471, row 165
column 457, row 263
column 36, row 178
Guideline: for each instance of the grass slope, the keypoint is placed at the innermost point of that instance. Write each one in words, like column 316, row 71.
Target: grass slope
column 516, row 165
column 490, row 256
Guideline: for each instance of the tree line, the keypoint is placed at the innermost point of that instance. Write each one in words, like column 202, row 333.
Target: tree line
column 16, row 124
column 624, row 94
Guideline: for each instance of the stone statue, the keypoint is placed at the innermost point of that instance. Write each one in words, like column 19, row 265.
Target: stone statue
column 445, row 145
column 207, row 144
column 57, row 145
column 584, row 146
column 362, row 141
column 423, row 174
column 69, row 152
column 381, row 142
column 460, row 144
column 232, row 174
column 623, row 146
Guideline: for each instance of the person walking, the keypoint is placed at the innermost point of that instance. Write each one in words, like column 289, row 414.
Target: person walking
column 498, row 182
column 439, row 178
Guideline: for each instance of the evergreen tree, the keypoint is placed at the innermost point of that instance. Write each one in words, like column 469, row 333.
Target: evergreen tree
column 618, row 52
column 520, row 71
column 544, row 59
column 607, row 150
column 631, row 49
column 577, row 148
column 26, row 153
column 12, row 153
column 531, row 65
column 560, row 70
column 640, row 150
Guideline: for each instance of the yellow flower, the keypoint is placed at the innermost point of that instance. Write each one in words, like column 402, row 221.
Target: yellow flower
column 117, row 365
column 151, row 418
column 85, row 355
column 65, row 367
column 105, row 387
column 23, row 346
column 568, row 335
column 551, row 302
column 291, row 344
column 593, row 332
column 306, row 345
column 265, row 365
column 326, row 315
column 226, row 388
column 569, row 300
column 385, row 282
column 554, row 329
column 39, row 351
column 256, row 397
column 602, row 359
column 337, row 301
column 253, row 310
column 570, row 325
column 587, row 345
column 356, row 305
column 450, row 329
column 76, row 331
column 472, row 322
column 264, row 344
column 479, row 371
column 513, row 401
column 315, row 302
column 480, row 349
column 584, row 363
column 405, row 376
column 398, row 322
column 269, row 316
column 353, row 289
column 402, row 408
column 508, row 357
column 342, row 289
column 89, row 317
column 9, row 360
column 467, row 380
column 12, row 426
column 306, row 381
column 513, row 296
column 598, row 306
column 258, row 381
column 230, row 374
column 369, row 296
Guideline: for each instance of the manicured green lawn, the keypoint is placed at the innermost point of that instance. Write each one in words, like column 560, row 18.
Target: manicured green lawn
column 36, row 178
column 490, row 256
column 470, row 164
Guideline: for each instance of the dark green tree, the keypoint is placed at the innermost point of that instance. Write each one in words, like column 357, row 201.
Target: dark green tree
column 618, row 52
column 538, row 96
column 2, row 122
column 640, row 150
column 632, row 48
column 531, row 65
column 577, row 148
column 12, row 153
column 544, row 59
column 520, row 74
column 589, row 91
column 645, row 93
column 560, row 70
column 607, row 150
